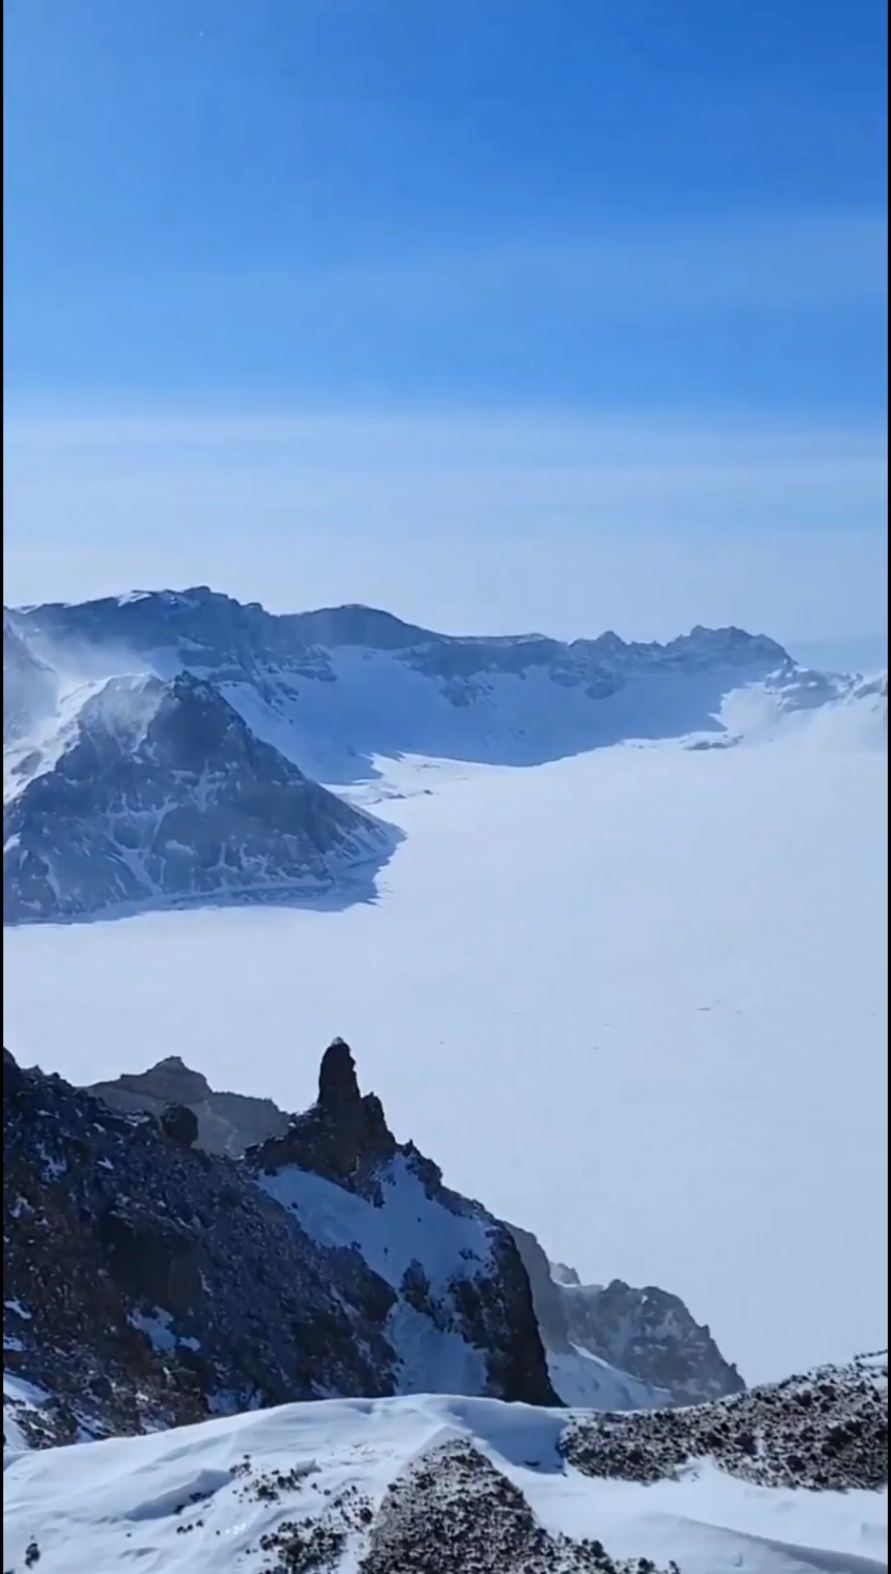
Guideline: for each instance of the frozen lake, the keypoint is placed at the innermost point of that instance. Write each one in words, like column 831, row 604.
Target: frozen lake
column 634, row 1001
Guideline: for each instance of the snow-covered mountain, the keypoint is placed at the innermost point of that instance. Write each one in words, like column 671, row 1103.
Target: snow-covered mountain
column 787, row 1479
column 186, row 781
column 339, row 689
column 155, row 793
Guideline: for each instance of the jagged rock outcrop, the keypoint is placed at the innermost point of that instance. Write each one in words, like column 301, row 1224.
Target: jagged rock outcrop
column 345, row 1139
column 457, row 1270
column 228, row 1123
column 180, row 1125
column 150, row 1283
column 647, row 1334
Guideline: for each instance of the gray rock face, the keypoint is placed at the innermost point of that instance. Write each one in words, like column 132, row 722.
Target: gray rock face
column 180, row 1125
column 645, row 1332
column 222, row 636
column 650, row 1333
column 228, row 1123
column 162, row 795
column 149, row 1284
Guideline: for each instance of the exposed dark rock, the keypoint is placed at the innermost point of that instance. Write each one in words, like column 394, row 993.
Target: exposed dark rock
column 179, row 1124
column 651, row 1333
column 452, row 1512
column 150, row 1284
column 344, row 1136
column 338, row 1083
column 147, row 1284
column 546, row 1294
column 827, row 1430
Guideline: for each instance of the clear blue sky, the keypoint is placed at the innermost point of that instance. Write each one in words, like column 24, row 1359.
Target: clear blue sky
column 538, row 222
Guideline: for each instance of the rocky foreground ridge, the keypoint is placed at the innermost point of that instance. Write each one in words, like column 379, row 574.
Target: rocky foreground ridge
column 474, row 1486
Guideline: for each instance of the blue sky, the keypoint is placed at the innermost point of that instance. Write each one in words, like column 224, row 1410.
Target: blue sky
column 382, row 288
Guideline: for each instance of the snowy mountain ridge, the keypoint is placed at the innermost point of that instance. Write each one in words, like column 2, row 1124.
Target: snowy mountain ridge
column 107, row 809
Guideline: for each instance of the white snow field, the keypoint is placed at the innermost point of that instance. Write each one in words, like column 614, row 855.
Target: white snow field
column 633, row 1001
column 171, row 1501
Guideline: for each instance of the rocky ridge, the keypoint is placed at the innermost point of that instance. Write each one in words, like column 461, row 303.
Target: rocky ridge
column 826, row 1430
column 149, row 1283
column 613, row 1347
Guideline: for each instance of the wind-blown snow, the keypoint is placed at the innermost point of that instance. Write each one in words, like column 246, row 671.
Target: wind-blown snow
column 633, row 1000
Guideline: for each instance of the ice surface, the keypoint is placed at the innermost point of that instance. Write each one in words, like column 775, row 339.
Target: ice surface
column 633, row 1000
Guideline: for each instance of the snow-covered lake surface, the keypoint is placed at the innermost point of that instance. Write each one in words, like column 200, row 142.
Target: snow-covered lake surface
column 634, row 1001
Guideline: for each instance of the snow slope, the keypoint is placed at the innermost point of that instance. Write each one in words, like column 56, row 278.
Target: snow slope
column 236, row 1493
column 635, row 1000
